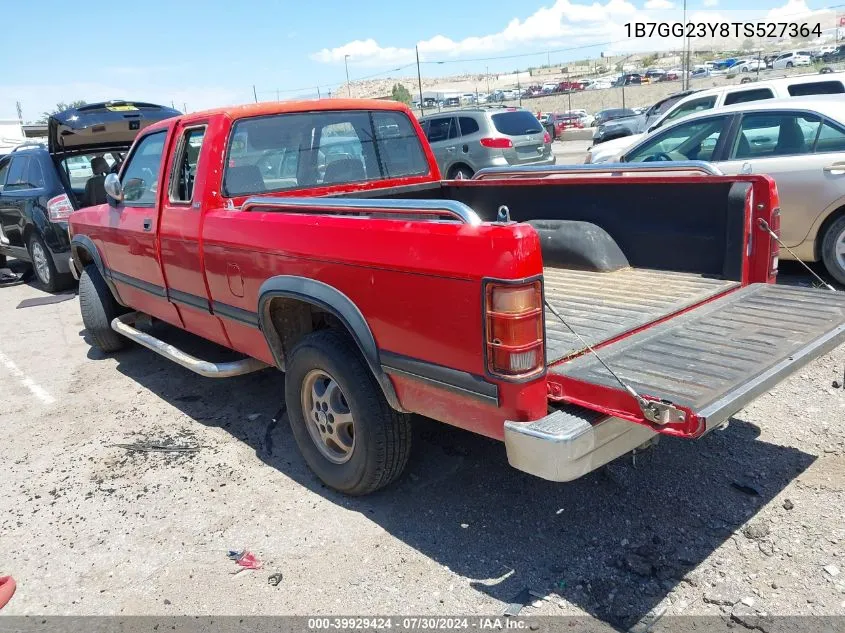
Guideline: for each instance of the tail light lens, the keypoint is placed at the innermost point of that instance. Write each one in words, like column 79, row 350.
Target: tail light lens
column 497, row 143
column 59, row 208
column 774, row 200
column 547, row 138
column 514, row 315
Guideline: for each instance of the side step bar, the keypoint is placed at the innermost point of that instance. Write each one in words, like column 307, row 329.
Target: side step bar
column 201, row 367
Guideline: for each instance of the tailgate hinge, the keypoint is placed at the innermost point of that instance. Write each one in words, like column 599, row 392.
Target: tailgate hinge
column 661, row 411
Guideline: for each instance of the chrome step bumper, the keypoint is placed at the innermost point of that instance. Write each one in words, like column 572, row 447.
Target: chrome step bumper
column 570, row 442
column 201, row 367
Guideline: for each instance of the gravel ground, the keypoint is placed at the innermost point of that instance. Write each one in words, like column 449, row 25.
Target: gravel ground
column 745, row 521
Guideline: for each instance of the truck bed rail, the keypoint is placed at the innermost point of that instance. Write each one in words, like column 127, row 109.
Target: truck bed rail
column 615, row 169
column 436, row 209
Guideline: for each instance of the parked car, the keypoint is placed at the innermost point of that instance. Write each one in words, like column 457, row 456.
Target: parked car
column 836, row 55
column 472, row 139
column 749, row 65
column 700, row 73
column 800, row 142
column 556, row 123
column 629, row 79
column 637, row 123
column 711, row 98
column 381, row 291
column 790, row 59
column 452, row 102
column 549, row 87
column 40, row 185
column 609, row 114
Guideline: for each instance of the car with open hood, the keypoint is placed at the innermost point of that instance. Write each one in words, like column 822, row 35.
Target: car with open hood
column 42, row 184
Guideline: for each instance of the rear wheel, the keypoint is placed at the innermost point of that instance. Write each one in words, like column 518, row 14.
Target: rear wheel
column 833, row 250
column 460, row 172
column 348, row 434
column 99, row 308
column 45, row 268
column 789, row 64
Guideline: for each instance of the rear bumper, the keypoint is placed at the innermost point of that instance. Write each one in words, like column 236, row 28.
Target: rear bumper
column 570, row 442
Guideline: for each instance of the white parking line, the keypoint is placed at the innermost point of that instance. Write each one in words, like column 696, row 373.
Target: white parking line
column 35, row 389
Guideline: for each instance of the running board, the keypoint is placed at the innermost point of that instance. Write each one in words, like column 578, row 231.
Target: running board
column 202, row 367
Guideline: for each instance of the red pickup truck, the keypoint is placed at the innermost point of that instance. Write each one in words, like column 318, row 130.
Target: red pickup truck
column 572, row 312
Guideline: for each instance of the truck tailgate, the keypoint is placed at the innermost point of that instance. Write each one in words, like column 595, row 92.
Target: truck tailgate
column 712, row 360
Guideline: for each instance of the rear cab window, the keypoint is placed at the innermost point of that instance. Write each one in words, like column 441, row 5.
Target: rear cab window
column 744, row 96
column 516, row 123
column 304, row 150
column 816, row 88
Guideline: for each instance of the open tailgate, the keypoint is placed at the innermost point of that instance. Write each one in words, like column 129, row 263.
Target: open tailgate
column 710, row 361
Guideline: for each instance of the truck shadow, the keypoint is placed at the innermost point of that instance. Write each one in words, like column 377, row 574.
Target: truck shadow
column 613, row 543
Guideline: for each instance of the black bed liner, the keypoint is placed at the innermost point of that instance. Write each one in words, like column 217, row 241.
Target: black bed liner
column 718, row 357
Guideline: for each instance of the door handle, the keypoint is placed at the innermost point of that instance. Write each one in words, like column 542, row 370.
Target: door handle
column 834, row 168
column 148, row 224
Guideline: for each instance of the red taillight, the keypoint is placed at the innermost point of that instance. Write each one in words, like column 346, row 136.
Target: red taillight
column 547, row 138
column 59, row 208
column 514, row 315
column 497, row 143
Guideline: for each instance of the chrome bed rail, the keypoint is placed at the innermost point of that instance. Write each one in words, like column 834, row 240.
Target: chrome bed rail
column 616, row 169
column 406, row 207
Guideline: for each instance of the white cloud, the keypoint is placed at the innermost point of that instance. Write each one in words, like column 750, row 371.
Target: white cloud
column 576, row 22
column 711, row 3
column 791, row 9
column 658, row 4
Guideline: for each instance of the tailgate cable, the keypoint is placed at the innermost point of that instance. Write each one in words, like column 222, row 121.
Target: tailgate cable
column 657, row 411
column 765, row 226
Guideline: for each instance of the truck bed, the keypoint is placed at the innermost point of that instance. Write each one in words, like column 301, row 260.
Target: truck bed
column 603, row 305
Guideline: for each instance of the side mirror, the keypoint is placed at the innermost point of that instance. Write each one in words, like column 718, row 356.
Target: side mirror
column 113, row 187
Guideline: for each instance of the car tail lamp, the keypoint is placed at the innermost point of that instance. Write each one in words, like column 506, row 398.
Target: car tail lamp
column 497, row 143
column 514, row 329
column 547, row 138
column 59, row 208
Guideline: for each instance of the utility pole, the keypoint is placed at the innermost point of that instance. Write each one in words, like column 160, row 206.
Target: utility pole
column 758, row 64
column 20, row 111
column 487, row 76
column 254, row 94
column 684, row 60
column 318, row 93
column 346, row 63
column 277, row 95
column 518, row 88
column 419, row 79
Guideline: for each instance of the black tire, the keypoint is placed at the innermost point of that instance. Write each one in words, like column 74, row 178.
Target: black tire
column 789, row 64
column 464, row 171
column 744, row 69
column 834, row 234
column 48, row 277
column 98, row 308
column 382, row 436
column 2, row 261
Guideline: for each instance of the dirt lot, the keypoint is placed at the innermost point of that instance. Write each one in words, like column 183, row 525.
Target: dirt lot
column 747, row 520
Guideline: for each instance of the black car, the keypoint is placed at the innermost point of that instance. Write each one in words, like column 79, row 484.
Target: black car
column 41, row 185
column 836, row 55
column 603, row 116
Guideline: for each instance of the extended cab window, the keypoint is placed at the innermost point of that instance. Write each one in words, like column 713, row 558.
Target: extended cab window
column 294, row 151
column 140, row 176
column 185, row 168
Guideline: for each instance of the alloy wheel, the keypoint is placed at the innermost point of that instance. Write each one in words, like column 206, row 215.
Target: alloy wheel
column 327, row 416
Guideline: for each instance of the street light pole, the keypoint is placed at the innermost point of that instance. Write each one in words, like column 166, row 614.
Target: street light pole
column 346, row 64
column 419, row 79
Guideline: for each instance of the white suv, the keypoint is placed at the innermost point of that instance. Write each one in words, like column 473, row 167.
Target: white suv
column 788, row 60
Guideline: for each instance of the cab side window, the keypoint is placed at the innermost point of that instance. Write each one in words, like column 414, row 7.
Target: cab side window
column 441, row 129
column 695, row 140
column 140, row 176
column 185, row 167
column 769, row 134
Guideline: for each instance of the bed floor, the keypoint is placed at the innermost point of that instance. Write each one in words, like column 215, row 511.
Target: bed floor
column 602, row 306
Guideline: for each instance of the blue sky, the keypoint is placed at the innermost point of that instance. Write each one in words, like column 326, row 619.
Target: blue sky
column 205, row 53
